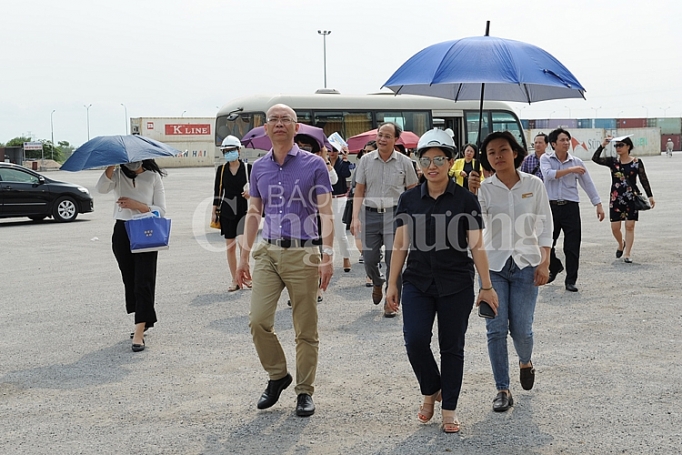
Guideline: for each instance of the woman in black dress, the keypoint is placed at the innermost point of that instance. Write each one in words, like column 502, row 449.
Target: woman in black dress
column 624, row 172
column 230, row 194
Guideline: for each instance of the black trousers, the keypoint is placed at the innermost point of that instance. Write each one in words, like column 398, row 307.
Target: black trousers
column 567, row 218
column 138, row 271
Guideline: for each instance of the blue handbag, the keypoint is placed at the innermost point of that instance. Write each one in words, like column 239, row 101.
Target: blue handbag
column 149, row 233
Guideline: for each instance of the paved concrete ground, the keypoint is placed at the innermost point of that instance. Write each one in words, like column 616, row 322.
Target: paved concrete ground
column 608, row 358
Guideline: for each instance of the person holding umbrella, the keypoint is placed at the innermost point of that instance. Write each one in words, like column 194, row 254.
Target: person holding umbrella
column 138, row 189
column 230, row 201
column 518, row 238
column 624, row 172
column 439, row 277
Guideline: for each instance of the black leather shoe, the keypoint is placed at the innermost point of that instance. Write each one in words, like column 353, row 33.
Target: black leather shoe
column 138, row 347
column 305, row 406
column 527, row 377
column 552, row 275
column 273, row 391
column 571, row 287
column 502, row 402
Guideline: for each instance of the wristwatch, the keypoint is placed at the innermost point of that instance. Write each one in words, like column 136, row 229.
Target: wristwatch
column 328, row 251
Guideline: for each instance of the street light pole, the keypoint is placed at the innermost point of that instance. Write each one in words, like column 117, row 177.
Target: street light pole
column 126, row 113
column 647, row 111
column 183, row 113
column 569, row 111
column 324, row 34
column 596, row 110
column 87, row 113
column 52, row 131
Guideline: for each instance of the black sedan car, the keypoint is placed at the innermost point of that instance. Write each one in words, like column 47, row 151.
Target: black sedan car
column 24, row 192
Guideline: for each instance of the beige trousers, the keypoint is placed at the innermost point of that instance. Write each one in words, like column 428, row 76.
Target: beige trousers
column 297, row 270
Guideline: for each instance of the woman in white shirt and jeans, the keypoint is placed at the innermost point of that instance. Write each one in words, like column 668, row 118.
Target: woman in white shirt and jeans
column 518, row 238
column 138, row 189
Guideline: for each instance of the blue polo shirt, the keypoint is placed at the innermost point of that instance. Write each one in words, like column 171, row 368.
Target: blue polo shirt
column 438, row 237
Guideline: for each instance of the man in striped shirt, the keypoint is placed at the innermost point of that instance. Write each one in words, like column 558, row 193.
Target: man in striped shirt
column 531, row 164
column 290, row 186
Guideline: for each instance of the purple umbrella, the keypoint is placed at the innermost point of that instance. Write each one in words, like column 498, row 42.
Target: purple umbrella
column 257, row 139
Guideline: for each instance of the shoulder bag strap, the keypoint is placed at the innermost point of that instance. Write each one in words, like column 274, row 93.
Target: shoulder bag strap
column 220, row 192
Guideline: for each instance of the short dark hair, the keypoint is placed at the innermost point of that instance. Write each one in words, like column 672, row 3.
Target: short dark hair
column 397, row 130
column 554, row 135
column 543, row 136
column 473, row 146
column 372, row 144
column 513, row 143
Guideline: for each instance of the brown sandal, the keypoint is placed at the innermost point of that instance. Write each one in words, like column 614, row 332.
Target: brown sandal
column 450, row 422
column 426, row 409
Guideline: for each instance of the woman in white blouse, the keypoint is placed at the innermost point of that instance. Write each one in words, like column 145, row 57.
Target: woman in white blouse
column 518, row 238
column 138, row 189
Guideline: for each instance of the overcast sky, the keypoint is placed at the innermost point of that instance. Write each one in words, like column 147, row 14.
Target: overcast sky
column 168, row 57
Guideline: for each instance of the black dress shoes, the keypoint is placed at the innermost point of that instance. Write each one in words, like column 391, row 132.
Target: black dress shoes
column 273, row 391
column 571, row 287
column 305, row 406
column 138, row 347
column 502, row 402
column 552, row 275
column 527, row 377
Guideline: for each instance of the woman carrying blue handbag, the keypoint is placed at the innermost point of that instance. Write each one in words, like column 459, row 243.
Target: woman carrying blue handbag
column 139, row 189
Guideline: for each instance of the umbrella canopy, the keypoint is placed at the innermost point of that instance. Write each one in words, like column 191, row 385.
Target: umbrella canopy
column 357, row 143
column 511, row 71
column 257, row 139
column 111, row 150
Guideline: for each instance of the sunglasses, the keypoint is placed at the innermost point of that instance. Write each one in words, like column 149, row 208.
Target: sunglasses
column 619, row 145
column 437, row 160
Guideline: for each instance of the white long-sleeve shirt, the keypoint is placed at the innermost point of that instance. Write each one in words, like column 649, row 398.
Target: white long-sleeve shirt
column 148, row 189
column 518, row 221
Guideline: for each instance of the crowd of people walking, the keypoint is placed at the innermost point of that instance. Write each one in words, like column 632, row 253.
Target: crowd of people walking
column 435, row 230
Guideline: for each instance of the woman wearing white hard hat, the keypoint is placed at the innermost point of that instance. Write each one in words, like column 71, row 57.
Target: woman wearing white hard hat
column 230, row 196
column 438, row 223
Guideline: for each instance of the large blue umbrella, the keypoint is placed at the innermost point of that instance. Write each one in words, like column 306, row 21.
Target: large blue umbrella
column 111, row 150
column 485, row 67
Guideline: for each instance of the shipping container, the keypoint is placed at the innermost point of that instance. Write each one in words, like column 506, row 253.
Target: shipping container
column 562, row 123
column 192, row 136
column 541, row 123
column 646, row 140
column 584, row 123
column 677, row 141
column 606, row 123
column 669, row 125
column 632, row 123
column 531, row 124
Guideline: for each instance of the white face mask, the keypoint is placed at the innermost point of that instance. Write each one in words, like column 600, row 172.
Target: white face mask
column 134, row 166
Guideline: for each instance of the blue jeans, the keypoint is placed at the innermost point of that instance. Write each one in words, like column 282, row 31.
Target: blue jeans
column 517, row 295
column 419, row 311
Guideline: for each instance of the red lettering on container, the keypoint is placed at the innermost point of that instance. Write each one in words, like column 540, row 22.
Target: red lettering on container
column 188, row 129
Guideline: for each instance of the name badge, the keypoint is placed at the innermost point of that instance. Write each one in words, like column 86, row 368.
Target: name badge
column 525, row 195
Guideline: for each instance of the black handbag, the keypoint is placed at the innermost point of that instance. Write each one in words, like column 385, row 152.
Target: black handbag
column 641, row 202
column 347, row 217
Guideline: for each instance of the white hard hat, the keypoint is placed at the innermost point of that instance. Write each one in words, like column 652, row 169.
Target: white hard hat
column 231, row 142
column 436, row 138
